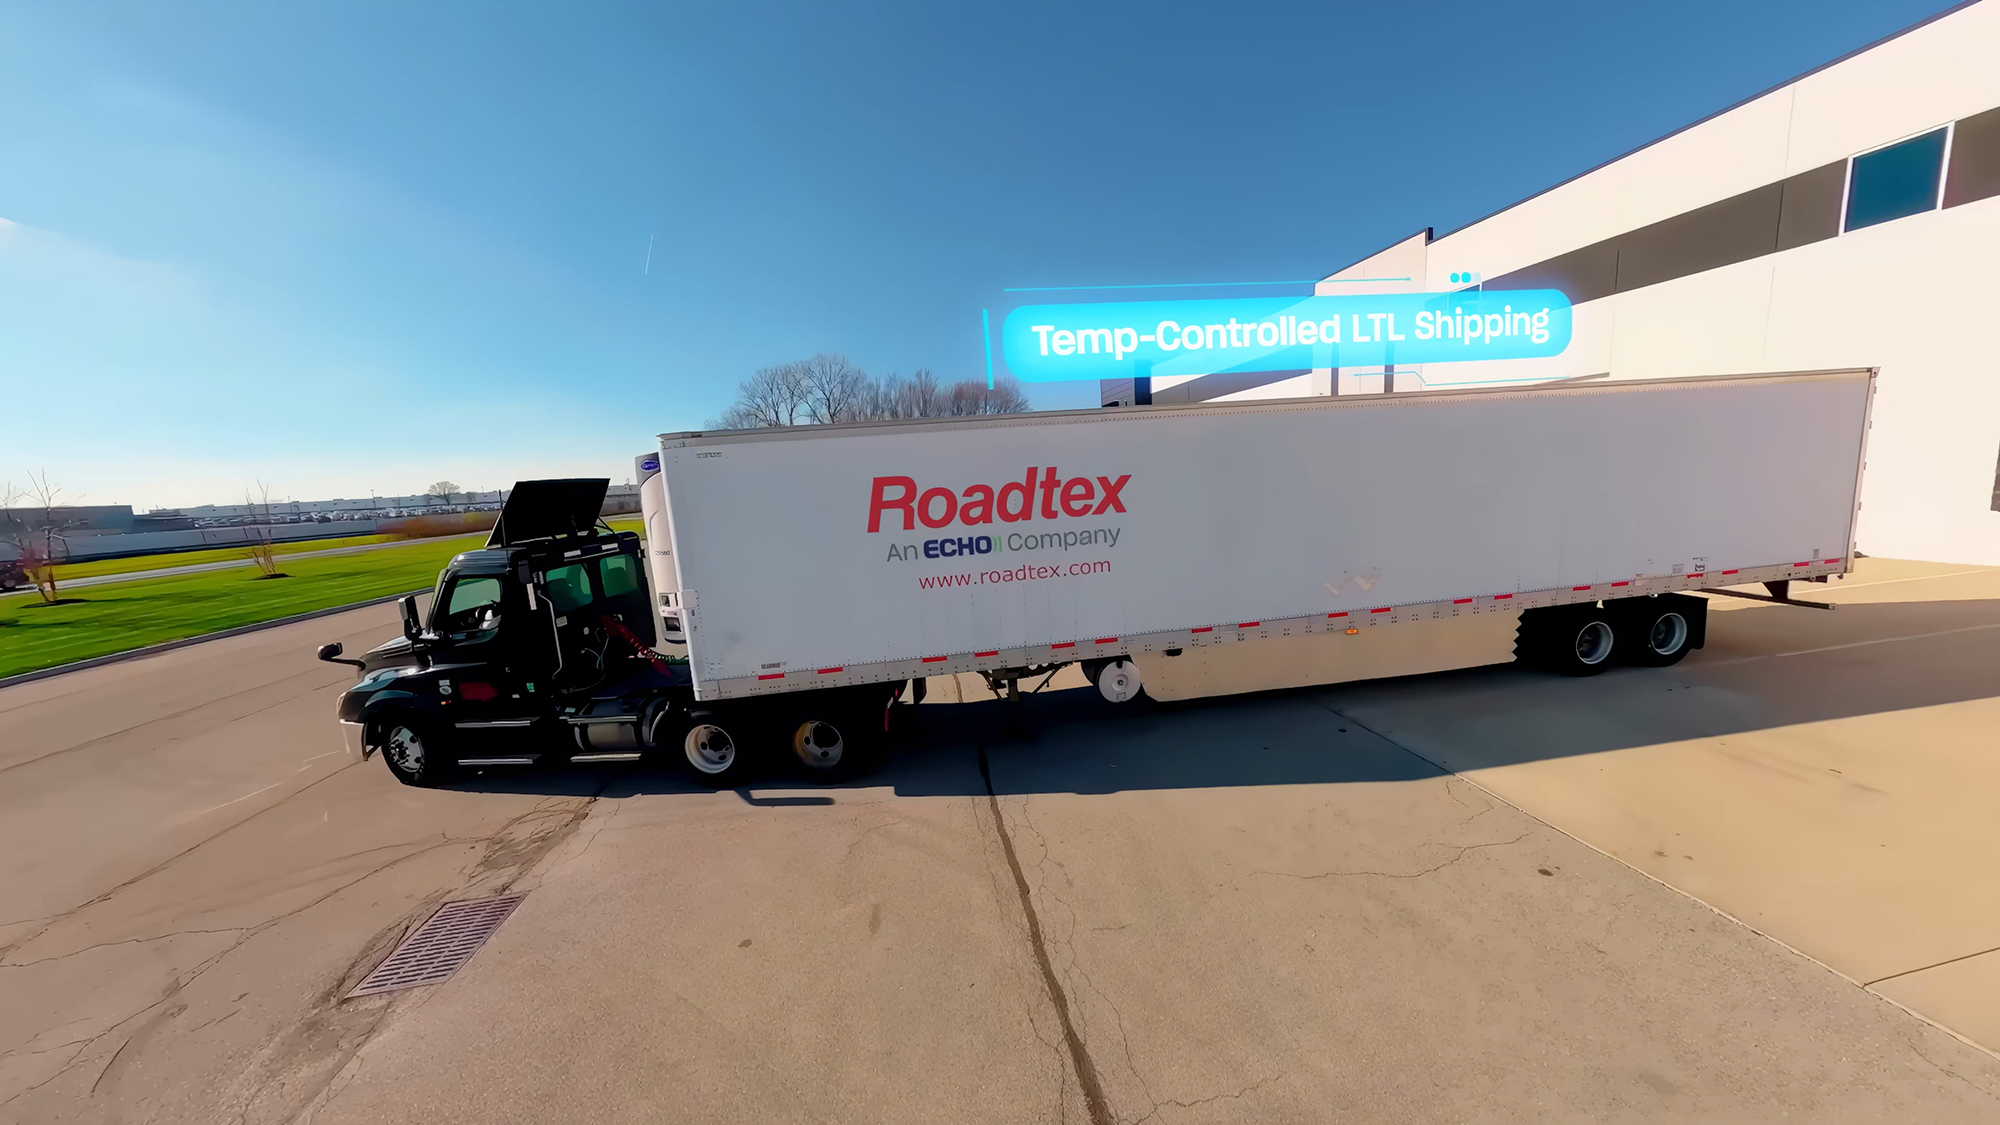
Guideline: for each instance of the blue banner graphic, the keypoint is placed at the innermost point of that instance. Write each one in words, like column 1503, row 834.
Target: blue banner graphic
column 1121, row 340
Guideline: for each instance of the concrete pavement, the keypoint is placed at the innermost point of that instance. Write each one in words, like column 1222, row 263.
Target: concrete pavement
column 194, row 873
column 1263, row 908
column 1828, row 778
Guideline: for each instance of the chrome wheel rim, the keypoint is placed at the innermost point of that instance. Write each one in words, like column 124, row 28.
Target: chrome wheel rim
column 405, row 749
column 819, row 745
column 709, row 748
column 1593, row 643
column 1670, row 633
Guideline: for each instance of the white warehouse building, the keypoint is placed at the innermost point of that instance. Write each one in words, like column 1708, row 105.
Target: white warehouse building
column 1848, row 218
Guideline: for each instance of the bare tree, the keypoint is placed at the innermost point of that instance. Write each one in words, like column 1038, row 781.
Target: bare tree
column 35, row 545
column 771, row 396
column 1005, row 396
column 834, row 389
column 262, row 550
column 828, row 388
column 918, row 396
column 443, row 490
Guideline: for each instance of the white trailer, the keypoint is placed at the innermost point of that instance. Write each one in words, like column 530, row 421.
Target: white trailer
column 1228, row 547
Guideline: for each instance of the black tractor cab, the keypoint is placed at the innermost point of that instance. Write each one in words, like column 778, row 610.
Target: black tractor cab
column 549, row 626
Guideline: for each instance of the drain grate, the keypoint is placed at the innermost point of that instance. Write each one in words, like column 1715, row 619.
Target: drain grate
column 439, row 947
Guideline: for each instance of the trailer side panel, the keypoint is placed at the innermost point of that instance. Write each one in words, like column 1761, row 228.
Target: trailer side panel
column 809, row 557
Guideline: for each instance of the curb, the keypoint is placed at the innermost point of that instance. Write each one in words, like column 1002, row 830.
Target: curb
column 169, row 646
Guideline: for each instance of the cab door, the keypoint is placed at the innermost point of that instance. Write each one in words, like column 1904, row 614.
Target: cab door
column 484, row 685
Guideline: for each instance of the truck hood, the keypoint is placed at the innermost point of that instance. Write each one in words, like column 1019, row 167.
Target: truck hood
column 549, row 509
column 389, row 654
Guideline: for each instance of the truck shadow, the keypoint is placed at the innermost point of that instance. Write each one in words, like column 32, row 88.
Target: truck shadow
column 1764, row 667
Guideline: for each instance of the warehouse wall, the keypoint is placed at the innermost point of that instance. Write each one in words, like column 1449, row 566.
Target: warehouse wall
column 1720, row 249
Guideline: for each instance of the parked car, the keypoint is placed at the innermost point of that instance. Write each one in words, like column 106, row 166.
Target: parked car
column 12, row 575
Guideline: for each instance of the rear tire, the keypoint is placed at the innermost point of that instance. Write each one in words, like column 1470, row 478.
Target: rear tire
column 715, row 749
column 1574, row 640
column 1657, row 632
column 833, row 747
column 415, row 752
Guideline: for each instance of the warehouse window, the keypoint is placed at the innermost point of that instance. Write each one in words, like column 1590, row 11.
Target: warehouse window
column 1975, row 159
column 1896, row 181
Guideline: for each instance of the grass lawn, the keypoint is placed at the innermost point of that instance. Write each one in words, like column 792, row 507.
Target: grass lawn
column 117, row 616
column 96, row 567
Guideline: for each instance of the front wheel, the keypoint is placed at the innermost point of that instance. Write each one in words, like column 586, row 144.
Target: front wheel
column 414, row 752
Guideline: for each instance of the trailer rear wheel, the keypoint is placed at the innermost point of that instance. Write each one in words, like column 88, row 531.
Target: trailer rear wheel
column 714, row 748
column 1589, row 645
column 1659, row 632
column 1573, row 640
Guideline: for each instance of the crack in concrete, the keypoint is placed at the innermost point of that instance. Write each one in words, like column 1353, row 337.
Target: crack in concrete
column 1461, row 850
column 1943, row 1069
column 68, row 1065
column 179, row 984
column 1244, row 1092
column 522, row 856
column 1073, row 966
column 170, row 716
column 56, row 919
column 110, row 944
column 871, row 830
column 1086, row 1070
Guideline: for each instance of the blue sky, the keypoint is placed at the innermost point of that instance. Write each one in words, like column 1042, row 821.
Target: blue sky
column 354, row 247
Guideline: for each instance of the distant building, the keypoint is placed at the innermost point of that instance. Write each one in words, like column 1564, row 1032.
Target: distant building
column 618, row 498
column 86, row 519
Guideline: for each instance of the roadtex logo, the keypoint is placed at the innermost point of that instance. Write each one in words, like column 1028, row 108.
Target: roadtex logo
column 1012, row 502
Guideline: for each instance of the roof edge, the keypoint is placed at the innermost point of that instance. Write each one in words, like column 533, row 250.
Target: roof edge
column 1730, row 108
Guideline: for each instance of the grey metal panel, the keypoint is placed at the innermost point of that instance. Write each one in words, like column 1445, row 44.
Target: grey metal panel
column 1222, row 383
column 1114, row 391
column 1975, row 159
column 695, row 439
column 1732, row 230
column 1584, row 274
column 1996, row 485
column 1810, row 210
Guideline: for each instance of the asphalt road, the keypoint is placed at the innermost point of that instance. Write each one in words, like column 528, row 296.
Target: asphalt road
column 1280, row 908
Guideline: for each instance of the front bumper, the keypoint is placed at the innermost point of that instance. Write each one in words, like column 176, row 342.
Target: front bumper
column 355, row 735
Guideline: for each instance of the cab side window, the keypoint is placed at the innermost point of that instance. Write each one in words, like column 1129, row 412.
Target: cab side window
column 568, row 587
column 473, row 603
column 618, row 575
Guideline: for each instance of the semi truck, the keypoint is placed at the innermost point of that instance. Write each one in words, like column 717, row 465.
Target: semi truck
column 795, row 587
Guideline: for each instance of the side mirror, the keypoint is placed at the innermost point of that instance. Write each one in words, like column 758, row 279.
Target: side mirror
column 413, row 626
column 331, row 654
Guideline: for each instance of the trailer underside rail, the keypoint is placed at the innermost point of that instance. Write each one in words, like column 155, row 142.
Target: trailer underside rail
column 1775, row 576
